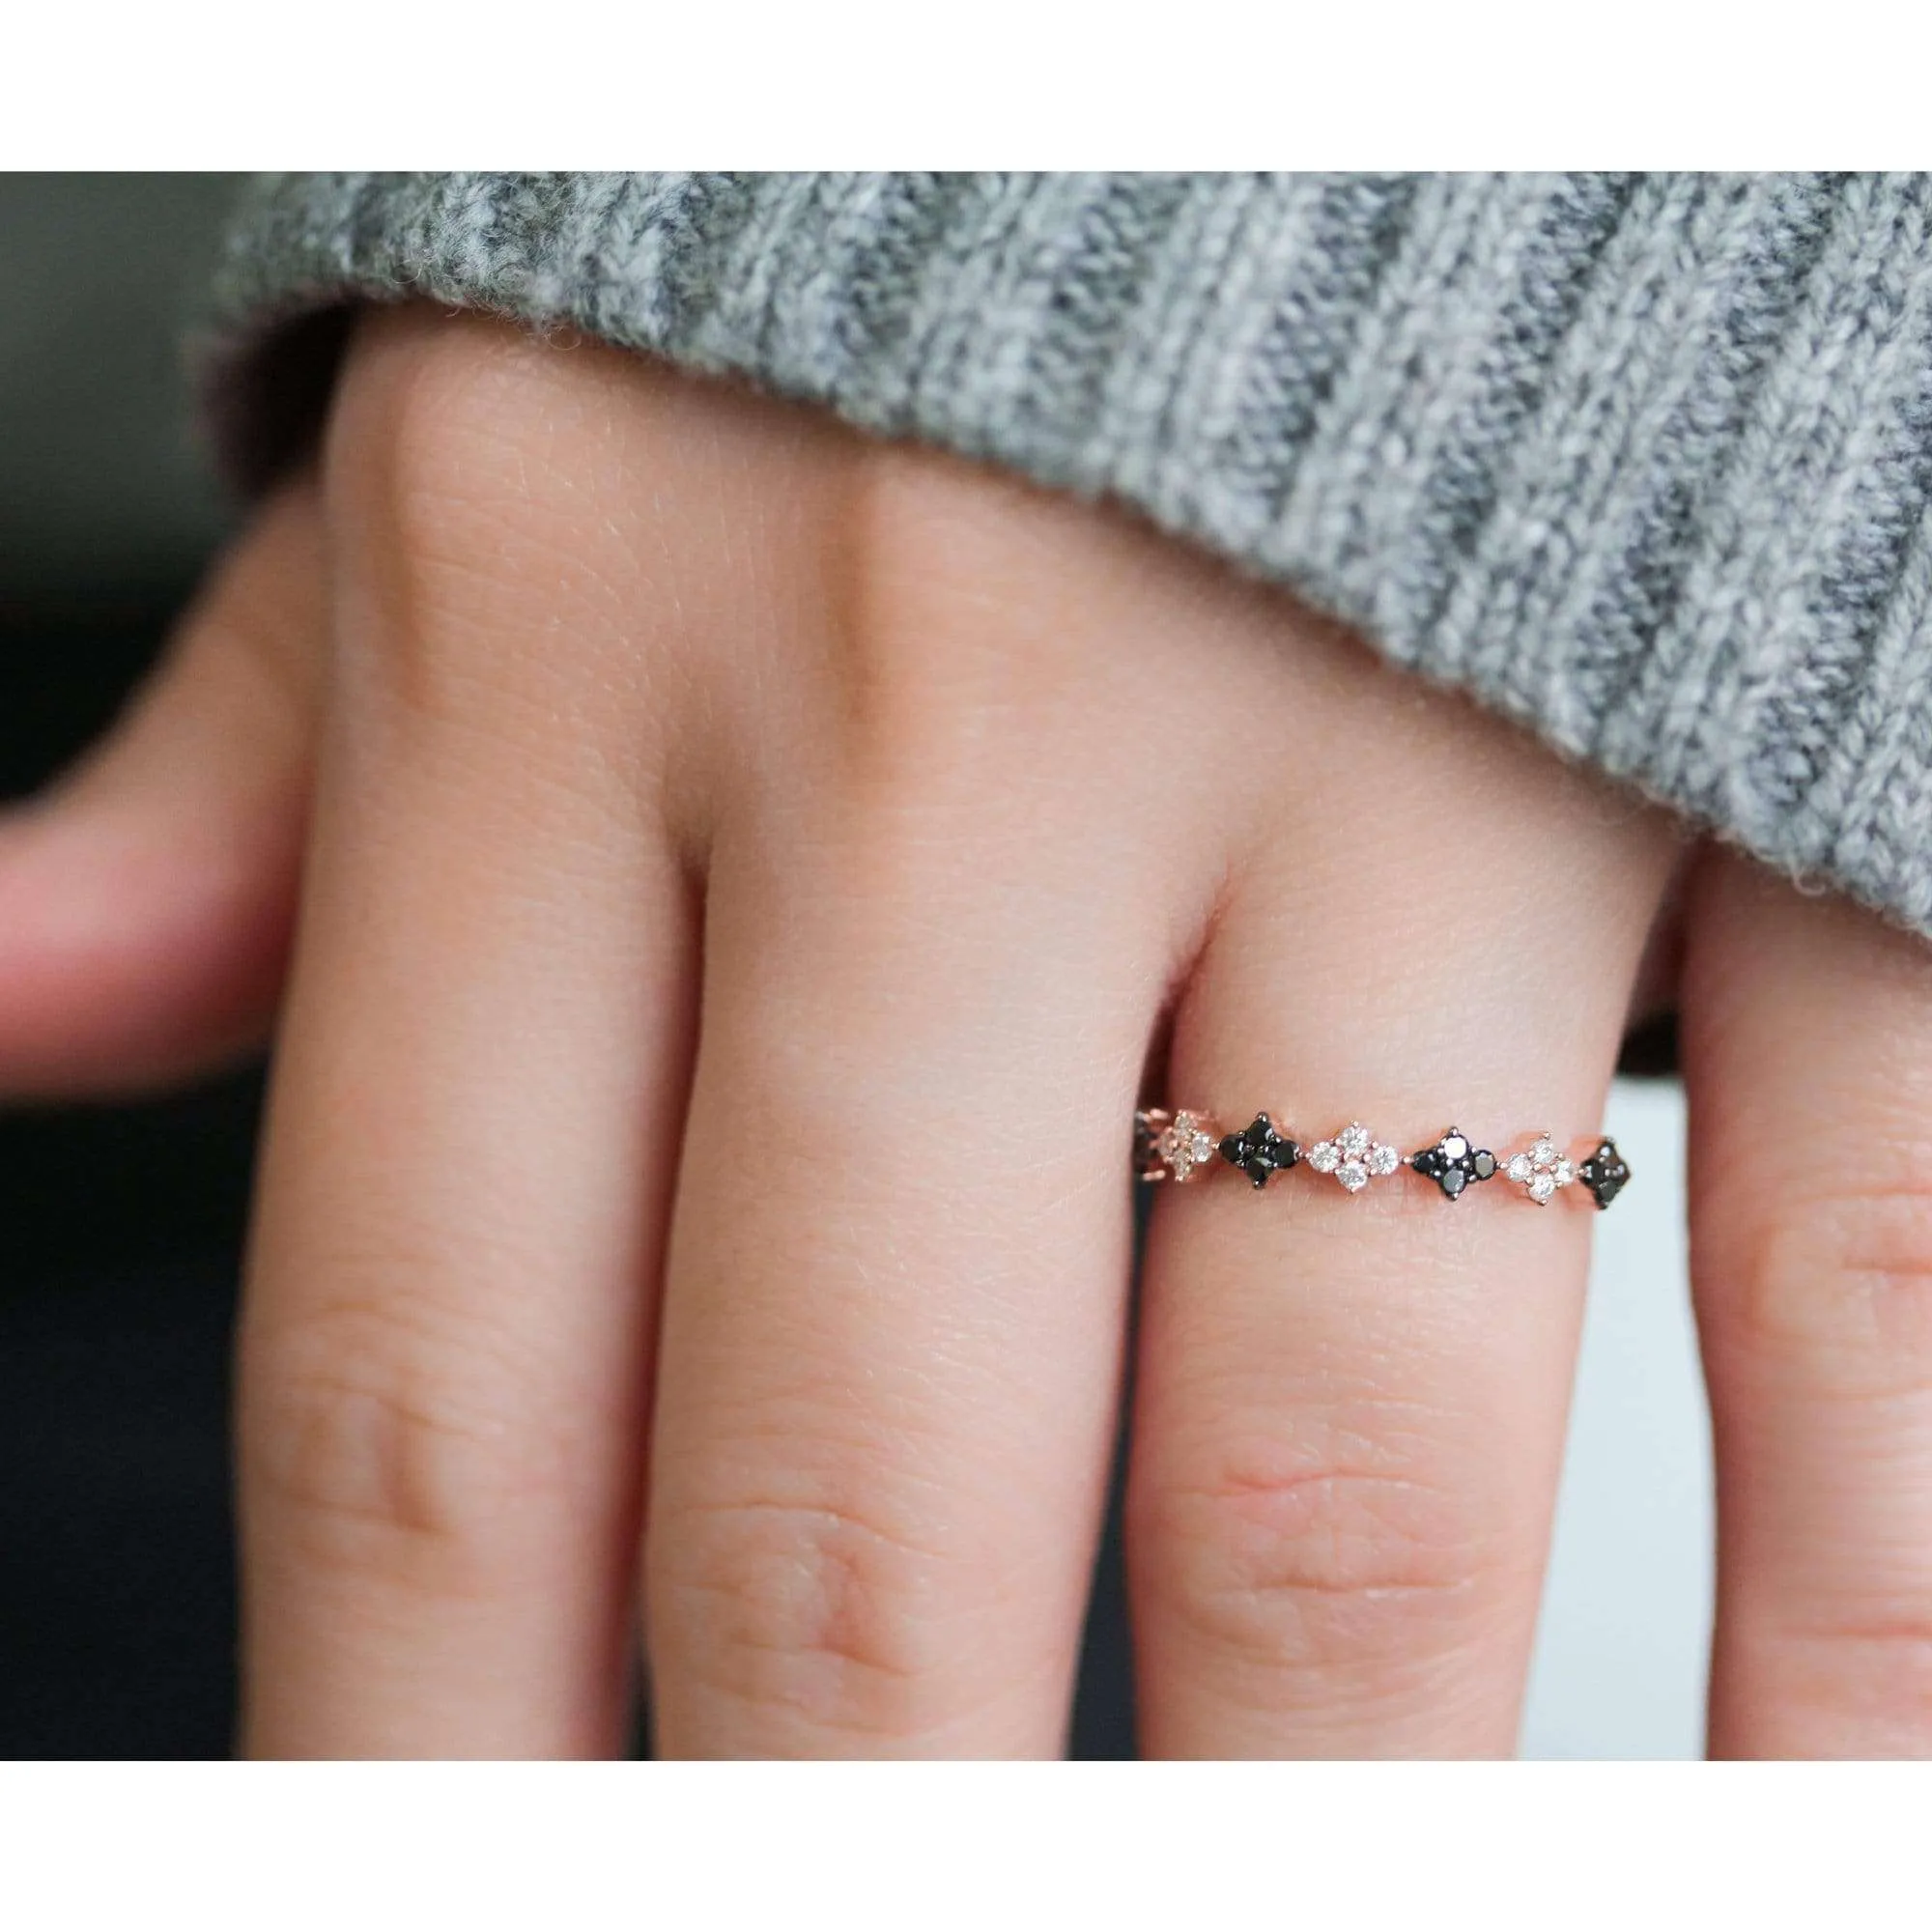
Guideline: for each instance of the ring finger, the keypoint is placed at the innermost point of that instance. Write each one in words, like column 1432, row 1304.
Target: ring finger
column 1351, row 1406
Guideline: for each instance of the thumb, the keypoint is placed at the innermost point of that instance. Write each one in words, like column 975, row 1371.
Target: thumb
column 146, row 899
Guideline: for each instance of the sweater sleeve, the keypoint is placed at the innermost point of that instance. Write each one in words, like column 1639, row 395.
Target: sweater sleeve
column 1642, row 461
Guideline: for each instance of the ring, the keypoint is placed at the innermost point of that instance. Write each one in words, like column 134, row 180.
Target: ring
column 1180, row 1144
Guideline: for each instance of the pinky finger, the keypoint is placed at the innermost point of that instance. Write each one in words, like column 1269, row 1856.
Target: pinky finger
column 1809, row 1059
column 146, row 899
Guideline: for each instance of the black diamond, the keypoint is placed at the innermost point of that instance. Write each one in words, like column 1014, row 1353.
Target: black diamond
column 1606, row 1174
column 1259, row 1151
column 1452, row 1163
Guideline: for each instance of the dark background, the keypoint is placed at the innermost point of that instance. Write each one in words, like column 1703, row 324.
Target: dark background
column 119, row 1227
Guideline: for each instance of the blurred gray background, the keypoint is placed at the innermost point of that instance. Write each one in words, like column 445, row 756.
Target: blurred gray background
column 122, row 1224
column 102, row 503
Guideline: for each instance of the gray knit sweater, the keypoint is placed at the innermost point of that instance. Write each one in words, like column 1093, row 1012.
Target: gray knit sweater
column 1642, row 460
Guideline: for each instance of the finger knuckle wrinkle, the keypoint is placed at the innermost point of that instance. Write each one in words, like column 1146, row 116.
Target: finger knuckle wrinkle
column 1878, row 1663
column 818, row 1604
column 1313, row 1560
column 1839, row 1289
column 370, row 1454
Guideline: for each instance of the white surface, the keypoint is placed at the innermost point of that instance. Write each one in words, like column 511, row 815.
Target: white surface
column 1620, row 1656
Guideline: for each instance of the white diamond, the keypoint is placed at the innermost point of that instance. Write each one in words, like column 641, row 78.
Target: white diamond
column 1520, row 1168
column 1565, row 1174
column 1542, row 1188
column 1544, row 1152
column 1383, row 1158
column 1353, row 1140
column 1352, row 1176
column 1324, row 1156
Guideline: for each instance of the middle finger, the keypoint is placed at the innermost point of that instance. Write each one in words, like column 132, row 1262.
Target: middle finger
column 935, row 946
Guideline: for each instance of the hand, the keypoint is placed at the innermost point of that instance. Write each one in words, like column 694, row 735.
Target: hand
column 745, row 869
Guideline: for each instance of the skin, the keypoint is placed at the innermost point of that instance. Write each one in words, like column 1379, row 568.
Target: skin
column 720, row 886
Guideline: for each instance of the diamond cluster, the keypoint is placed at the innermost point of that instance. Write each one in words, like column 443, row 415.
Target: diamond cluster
column 1184, row 1144
column 1606, row 1174
column 1354, row 1157
column 1452, row 1163
column 1261, row 1150
column 1541, row 1170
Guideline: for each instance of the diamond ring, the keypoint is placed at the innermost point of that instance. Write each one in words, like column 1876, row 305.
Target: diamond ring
column 1181, row 1143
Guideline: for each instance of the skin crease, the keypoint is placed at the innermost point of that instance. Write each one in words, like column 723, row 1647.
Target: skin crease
column 745, row 872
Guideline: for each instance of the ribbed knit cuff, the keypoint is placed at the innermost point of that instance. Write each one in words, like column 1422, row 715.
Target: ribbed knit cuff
column 1641, row 460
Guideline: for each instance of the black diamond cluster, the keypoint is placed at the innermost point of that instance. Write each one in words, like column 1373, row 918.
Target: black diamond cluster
column 1260, row 1151
column 1606, row 1174
column 1452, row 1163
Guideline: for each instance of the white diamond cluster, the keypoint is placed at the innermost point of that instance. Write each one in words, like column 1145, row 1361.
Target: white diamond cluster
column 1184, row 1144
column 1354, row 1157
column 1541, row 1170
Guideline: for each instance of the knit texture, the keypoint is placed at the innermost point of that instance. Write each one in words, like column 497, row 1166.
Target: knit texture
column 1643, row 461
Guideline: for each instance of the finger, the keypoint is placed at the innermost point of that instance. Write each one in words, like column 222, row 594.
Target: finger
column 892, row 1332
column 1350, row 1409
column 445, row 1352
column 145, row 902
column 1807, row 1053
column 896, row 1291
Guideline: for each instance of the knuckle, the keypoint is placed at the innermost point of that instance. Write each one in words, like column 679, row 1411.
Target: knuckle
column 810, row 1598
column 947, row 660
column 1837, row 1291
column 441, row 468
column 1313, row 1563
column 369, row 1446
column 435, row 427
